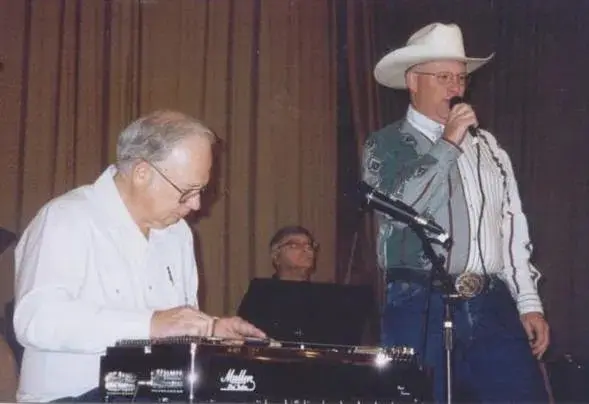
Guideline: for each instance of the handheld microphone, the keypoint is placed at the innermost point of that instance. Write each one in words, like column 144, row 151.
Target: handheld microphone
column 400, row 211
column 459, row 100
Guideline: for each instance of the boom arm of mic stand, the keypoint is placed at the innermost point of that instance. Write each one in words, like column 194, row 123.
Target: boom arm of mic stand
column 412, row 220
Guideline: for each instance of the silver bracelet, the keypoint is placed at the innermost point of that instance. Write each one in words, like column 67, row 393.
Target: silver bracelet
column 211, row 327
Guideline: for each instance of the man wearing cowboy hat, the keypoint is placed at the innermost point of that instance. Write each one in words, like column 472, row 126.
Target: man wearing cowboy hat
column 458, row 176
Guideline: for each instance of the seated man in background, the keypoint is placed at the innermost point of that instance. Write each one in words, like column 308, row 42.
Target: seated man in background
column 289, row 307
column 293, row 251
column 115, row 260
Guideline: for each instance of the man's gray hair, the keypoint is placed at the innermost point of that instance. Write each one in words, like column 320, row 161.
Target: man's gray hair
column 152, row 137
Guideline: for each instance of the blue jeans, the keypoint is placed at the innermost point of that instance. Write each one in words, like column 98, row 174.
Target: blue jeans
column 492, row 358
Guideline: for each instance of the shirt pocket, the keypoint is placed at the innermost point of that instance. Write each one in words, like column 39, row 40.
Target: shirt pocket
column 110, row 284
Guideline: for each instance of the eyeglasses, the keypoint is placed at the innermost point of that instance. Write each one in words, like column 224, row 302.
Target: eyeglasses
column 185, row 194
column 295, row 245
column 447, row 78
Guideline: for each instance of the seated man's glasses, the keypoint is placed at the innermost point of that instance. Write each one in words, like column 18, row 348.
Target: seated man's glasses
column 296, row 245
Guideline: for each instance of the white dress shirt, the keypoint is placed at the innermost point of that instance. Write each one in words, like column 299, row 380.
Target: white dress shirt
column 86, row 277
column 505, row 242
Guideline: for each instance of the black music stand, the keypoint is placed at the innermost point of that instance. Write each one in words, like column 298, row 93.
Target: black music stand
column 308, row 312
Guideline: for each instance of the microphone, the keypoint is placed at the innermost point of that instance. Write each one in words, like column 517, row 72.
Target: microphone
column 459, row 100
column 400, row 211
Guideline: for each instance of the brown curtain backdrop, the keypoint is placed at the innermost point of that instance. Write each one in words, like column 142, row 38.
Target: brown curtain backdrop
column 364, row 115
column 533, row 97
column 358, row 114
column 261, row 73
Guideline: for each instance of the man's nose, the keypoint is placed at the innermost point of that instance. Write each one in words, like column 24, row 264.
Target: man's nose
column 454, row 87
column 194, row 202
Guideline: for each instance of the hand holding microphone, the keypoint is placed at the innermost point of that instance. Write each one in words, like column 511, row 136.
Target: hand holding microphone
column 461, row 120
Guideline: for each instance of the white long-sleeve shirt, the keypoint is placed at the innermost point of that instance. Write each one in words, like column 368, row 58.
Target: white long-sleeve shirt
column 86, row 277
column 506, row 248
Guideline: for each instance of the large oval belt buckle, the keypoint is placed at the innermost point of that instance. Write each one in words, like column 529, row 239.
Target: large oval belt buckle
column 469, row 284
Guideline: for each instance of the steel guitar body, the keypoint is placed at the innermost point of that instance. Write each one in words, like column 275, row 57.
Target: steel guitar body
column 207, row 370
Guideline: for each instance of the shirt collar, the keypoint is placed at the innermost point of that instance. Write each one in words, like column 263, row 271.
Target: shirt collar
column 109, row 200
column 431, row 129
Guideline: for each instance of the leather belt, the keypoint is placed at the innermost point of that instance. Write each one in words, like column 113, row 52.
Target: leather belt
column 467, row 284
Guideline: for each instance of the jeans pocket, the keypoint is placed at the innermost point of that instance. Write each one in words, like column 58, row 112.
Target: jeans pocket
column 400, row 292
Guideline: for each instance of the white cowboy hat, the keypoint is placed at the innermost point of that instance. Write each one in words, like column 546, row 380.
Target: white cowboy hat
column 435, row 41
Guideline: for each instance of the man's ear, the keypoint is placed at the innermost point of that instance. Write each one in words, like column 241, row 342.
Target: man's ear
column 274, row 255
column 411, row 81
column 141, row 173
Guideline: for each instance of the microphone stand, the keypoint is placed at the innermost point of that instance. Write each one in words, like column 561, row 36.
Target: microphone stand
column 441, row 280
